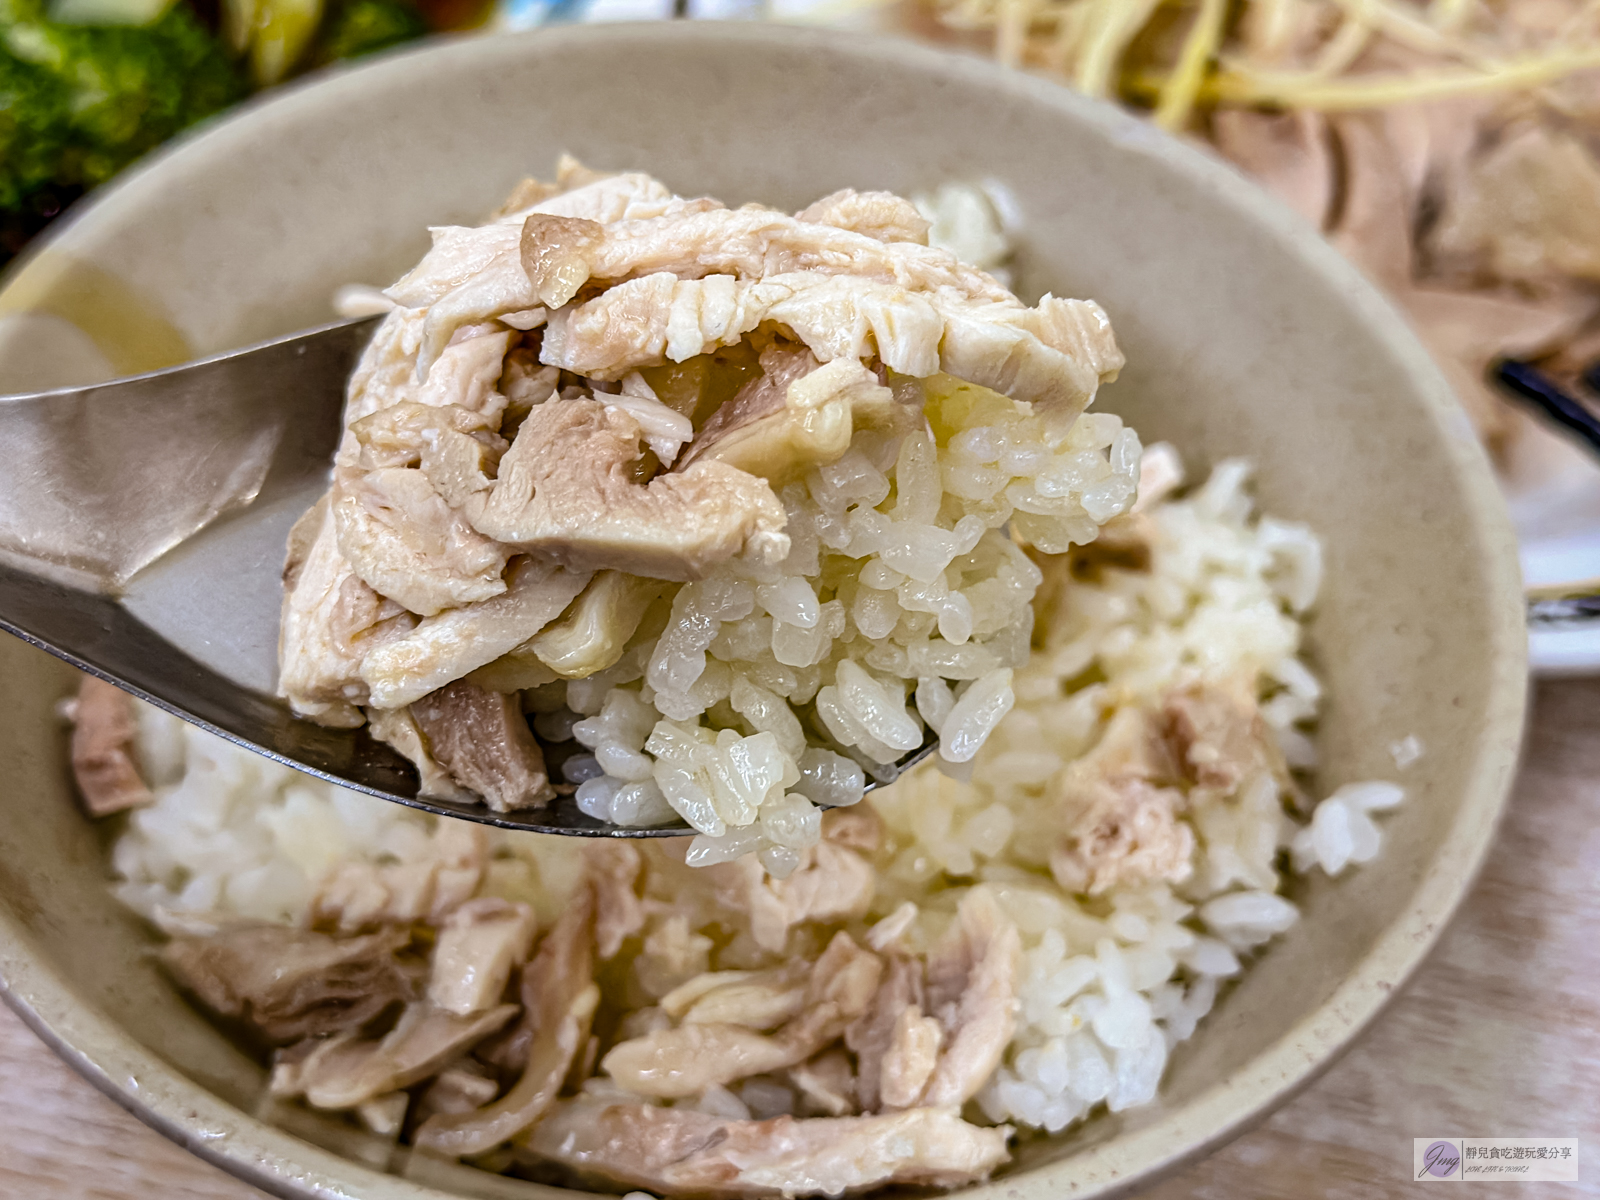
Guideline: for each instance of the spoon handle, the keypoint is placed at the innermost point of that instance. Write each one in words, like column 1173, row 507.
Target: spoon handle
column 103, row 480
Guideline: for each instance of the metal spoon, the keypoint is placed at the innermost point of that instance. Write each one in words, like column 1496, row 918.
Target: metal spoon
column 142, row 533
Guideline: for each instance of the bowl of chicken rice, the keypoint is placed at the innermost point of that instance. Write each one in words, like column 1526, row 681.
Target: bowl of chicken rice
column 748, row 408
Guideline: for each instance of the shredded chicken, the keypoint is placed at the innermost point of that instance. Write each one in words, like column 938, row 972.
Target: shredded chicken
column 563, row 963
column 682, row 998
column 104, row 759
column 566, row 493
column 456, row 448
column 466, row 374
column 681, row 1062
column 459, row 252
column 482, row 739
column 909, row 1061
column 478, row 945
column 289, row 984
column 642, row 1022
column 385, row 1115
column 396, row 727
column 935, row 1040
column 751, row 999
column 838, row 990
column 559, row 1001
column 644, row 322
column 672, row 955
column 882, row 215
column 1123, row 825
column 1055, row 355
column 795, row 416
column 554, row 254
column 873, row 1033
column 680, row 1152
column 753, row 243
column 502, row 287
column 346, row 1072
column 1128, row 832
column 458, row 255
column 689, row 240
column 592, row 634
column 826, row 1083
column 330, row 620
column 1219, row 737
column 443, row 648
column 613, row 869
column 455, row 1090
column 526, row 382
column 888, row 933
column 544, row 262
column 972, row 992
column 663, row 429
column 831, row 884
column 363, row 895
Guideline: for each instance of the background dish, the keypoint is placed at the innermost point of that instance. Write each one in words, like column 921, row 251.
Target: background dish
column 1282, row 352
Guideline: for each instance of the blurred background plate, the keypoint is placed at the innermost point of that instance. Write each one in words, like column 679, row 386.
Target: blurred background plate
column 1553, row 489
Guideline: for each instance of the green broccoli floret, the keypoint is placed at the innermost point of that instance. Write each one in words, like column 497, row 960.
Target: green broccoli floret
column 359, row 27
column 35, row 116
column 79, row 103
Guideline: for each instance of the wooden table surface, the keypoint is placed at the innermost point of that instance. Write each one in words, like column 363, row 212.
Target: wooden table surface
column 1499, row 1035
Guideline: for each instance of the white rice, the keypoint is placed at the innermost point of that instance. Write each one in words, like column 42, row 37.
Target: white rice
column 233, row 834
column 1110, row 985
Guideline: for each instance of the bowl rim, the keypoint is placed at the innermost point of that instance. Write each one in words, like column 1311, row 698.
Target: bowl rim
column 282, row 1164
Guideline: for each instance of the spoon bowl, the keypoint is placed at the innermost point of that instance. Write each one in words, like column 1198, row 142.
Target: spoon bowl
column 159, row 567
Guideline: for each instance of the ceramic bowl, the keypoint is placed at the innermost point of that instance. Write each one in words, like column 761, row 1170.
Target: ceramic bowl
column 1245, row 335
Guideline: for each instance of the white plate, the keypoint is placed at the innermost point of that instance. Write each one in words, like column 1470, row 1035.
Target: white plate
column 1553, row 488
